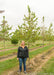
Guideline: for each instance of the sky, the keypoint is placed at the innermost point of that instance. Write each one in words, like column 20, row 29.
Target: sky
column 15, row 10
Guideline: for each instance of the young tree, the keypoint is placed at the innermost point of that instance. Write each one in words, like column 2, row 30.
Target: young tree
column 30, row 29
column 4, row 30
column 43, row 30
column 49, row 33
column 18, row 34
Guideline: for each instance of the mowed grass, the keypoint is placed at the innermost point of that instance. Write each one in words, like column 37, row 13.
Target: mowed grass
column 4, row 53
column 9, row 47
column 48, row 69
column 6, row 65
column 16, row 46
column 38, row 51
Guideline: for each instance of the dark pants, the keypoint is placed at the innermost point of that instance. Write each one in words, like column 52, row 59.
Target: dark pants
column 22, row 60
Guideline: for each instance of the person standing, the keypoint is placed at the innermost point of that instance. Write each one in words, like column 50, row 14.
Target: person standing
column 22, row 56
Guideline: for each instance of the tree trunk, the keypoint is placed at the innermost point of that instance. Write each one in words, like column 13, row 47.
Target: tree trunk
column 4, row 44
column 28, row 51
column 43, row 43
column 28, row 45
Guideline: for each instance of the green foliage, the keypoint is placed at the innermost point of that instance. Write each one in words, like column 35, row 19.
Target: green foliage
column 30, row 29
column 46, row 34
column 29, row 9
column 49, row 33
column 14, row 39
column 4, row 30
column 43, row 18
column 43, row 29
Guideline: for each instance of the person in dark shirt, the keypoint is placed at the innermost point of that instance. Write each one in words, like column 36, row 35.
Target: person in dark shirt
column 22, row 56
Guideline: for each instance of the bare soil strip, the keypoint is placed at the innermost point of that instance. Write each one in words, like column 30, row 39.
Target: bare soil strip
column 34, row 65
column 8, row 49
column 11, row 56
column 42, row 61
column 16, row 48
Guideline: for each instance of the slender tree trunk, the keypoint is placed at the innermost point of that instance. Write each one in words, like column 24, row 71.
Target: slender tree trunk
column 28, row 45
column 4, row 44
column 28, row 51
column 43, row 39
column 49, row 42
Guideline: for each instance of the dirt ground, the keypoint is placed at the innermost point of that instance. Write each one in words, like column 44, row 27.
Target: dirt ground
column 33, row 65
column 11, row 56
column 16, row 48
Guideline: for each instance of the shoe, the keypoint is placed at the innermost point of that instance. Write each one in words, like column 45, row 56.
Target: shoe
column 25, row 72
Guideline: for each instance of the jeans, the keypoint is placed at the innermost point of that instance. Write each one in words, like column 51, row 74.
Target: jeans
column 22, row 60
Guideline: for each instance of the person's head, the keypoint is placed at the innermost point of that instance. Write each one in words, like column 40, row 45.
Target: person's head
column 23, row 43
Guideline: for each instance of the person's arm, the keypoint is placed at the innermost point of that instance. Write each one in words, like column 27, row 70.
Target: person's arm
column 18, row 52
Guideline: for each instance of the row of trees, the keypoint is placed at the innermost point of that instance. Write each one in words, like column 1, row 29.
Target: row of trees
column 28, row 31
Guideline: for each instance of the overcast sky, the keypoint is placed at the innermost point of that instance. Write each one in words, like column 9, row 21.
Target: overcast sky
column 15, row 10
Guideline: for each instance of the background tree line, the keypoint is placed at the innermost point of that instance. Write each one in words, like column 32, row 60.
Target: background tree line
column 28, row 31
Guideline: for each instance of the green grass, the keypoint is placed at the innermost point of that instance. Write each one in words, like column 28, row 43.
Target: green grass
column 4, row 53
column 49, row 67
column 5, row 65
column 40, row 50
column 8, row 52
column 9, row 47
column 16, row 46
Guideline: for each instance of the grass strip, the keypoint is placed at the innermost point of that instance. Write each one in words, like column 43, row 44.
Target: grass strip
column 40, row 50
column 48, row 69
column 4, row 53
column 13, row 62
